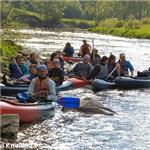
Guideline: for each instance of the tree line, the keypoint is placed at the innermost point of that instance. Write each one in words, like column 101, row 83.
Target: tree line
column 52, row 11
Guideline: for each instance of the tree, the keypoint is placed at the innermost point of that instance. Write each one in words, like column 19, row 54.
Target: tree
column 51, row 11
column 73, row 10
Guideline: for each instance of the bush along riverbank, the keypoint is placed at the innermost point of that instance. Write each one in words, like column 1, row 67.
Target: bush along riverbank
column 131, row 28
column 8, row 49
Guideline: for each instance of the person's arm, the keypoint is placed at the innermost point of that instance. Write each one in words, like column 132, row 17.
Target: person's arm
column 94, row 72
column 72, row 51
column 52, row 90
column 80, row 51
column 90, row 47
column 118, row 69
column 130, row 67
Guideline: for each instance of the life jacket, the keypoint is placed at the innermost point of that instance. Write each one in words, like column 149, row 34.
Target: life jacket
column 103, row 72
column 124, row 69
column 41, row 87
column 85, row 49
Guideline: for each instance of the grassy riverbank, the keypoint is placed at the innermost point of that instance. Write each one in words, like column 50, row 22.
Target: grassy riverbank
column 130, row 28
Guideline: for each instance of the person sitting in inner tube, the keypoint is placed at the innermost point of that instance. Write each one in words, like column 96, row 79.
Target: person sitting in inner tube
column 95, row 57
column 58, row 55
column 42, row 87
column 145, row 73
column 33, row 74
column 83, row 69
column 125, row 66
column 32, row 60
column 68, row 50
column 100, row 71
column 85, row 48
column 113, row 66
column 17, row 67
column 56, row 73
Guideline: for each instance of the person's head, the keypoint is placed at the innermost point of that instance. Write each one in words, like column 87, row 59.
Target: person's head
column 42, row 71
column 33, row 56
column 33, row 69
column 59, row 53
column 68, row 44
column 56, row 63
column 112, row 59
column 19, row 59
column 104, row 60
column 95, row 51
column 86, row 58
column 53, row 56
column 84, row 41
column 122, row 56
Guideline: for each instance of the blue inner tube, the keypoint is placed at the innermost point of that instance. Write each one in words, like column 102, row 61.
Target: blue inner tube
column 132, row 83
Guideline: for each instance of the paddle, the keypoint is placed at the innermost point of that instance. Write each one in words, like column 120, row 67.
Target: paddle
column 111, row 72
column 17, row 67
column 66, row 102
column 93, row 49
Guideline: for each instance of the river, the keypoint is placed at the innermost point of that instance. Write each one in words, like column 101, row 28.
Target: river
column 129, row 129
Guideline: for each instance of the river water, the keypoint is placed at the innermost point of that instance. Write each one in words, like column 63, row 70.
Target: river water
column 129, row 129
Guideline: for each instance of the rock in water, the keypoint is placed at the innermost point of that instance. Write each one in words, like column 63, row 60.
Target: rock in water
column 9, row 126
column 89, row 105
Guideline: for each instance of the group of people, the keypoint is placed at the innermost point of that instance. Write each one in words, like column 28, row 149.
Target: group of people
column 44, row 77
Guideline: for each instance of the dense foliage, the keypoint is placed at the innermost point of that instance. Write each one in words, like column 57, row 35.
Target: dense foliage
column 52, row 11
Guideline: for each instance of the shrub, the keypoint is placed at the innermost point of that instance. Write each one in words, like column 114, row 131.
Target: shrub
column 119, row 24
column 132, row 24
column 109, row 22
column 146, row 20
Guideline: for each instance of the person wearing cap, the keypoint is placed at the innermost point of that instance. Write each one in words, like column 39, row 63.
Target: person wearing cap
column 125, row 66
column 17, row 67
column 56, row 73
column 85, row 48
column 42, row 87
column 83, row 69
column 100, row 71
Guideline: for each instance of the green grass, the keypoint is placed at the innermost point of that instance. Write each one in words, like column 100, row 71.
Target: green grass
column 143, row 32
column 77, row 21
column 20, row 12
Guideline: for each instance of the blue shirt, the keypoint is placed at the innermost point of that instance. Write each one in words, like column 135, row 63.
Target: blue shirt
column 124, row 67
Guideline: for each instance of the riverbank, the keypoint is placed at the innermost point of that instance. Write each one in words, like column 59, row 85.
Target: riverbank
column 142, row 33
column 131, row 28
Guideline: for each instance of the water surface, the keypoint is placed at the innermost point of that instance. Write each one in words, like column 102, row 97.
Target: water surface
column 126, row 130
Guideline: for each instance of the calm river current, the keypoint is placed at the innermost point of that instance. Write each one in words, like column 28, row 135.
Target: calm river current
column 129, row 129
